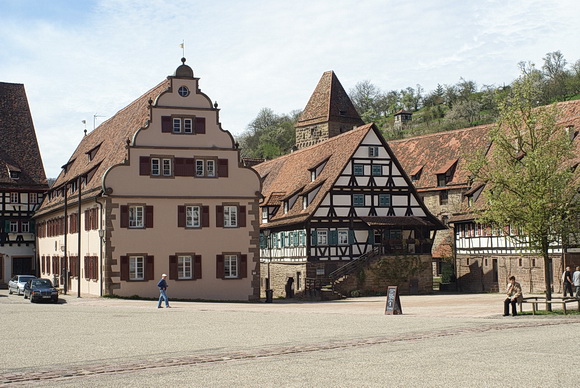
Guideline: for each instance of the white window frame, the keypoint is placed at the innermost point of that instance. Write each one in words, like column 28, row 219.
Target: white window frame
column 136, row 268
column 155, row 166
column 199, row 167
column 32, row 197
column 343, row 237
column 322, row 237
column 176, row 125
column 25, row 227
column 231, row 266
column 184, row 267
column 136, row 216
column 304, row 202
column 13, row 226
column 210, row 168
column 265, row 215
column 14, row 197
column 193, row 216
column 230, row 216
column 166, row 166
column 188, row 125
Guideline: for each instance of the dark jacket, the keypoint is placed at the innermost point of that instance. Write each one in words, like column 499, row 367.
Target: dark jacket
column 162, row 284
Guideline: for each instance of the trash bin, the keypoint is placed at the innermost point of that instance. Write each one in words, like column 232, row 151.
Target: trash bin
column 269, row 296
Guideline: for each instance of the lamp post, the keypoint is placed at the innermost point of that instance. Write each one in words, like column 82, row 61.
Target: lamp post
column 269, row 292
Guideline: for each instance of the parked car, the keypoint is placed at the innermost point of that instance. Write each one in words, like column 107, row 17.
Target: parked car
column 40, row 289
column 16, row 284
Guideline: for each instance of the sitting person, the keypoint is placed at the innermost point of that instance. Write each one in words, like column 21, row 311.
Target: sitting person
column 514, row 295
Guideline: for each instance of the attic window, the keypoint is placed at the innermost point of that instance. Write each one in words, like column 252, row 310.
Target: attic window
column 315, row 171
column 373, row 151
column 67, row 166
column 183, row 91
column 13, row 172
column 92, row 152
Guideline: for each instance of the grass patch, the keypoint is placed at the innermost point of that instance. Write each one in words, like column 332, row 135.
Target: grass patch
column 553, row 312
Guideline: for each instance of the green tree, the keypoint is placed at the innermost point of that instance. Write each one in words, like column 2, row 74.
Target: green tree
column 531, row 184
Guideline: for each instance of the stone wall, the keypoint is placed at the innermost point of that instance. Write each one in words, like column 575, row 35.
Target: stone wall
column 279, row 273
column 476, row 274
column 312, row 134
column 412, row 274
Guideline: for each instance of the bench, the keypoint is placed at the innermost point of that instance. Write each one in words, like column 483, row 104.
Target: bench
column 536, row 300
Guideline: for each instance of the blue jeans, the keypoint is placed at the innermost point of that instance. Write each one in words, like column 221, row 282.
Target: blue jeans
column 163, row 296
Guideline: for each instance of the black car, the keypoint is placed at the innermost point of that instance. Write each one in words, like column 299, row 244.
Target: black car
column 40, row 289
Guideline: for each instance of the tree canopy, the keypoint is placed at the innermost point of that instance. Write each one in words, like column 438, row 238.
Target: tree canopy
column 531, row 183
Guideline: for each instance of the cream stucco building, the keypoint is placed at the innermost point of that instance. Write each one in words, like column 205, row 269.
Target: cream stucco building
column 157, row 188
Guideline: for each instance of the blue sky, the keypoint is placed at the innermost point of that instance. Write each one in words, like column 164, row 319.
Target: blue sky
column 78, row 58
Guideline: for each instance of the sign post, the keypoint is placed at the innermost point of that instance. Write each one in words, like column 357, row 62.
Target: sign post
column 393, row 306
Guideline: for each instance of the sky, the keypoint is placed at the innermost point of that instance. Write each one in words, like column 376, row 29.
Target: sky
column 87, row 59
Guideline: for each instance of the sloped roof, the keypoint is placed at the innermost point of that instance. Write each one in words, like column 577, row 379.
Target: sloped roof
column 290, row 174
column 18, row 145
column 568, row 115
column 329, row 102
column 437, row 152
column 110, row 138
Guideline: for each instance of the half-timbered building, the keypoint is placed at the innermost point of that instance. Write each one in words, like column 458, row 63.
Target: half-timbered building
column 343, row 199
column 22, row 183
column 157, row 188
column 485, row 257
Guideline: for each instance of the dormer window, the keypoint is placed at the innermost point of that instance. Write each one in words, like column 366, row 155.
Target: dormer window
column 312, row 175
column 446, row 173
column 316, row 171
column 265, row 215
column 441, row 180
column 286, row 207
column 92, row 152
column 14, row 175
column 304, row 202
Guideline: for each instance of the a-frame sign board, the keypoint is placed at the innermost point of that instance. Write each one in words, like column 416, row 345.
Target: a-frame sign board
column 393, row 306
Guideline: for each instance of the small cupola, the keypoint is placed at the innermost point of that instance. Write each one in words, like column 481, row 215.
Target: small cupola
column 183, row 71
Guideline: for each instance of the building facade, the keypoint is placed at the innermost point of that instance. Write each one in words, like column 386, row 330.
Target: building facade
column 22, row 183
column 158, row 188
column 343, row 198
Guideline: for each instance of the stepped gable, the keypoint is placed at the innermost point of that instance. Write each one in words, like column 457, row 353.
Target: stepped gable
column 107, row 143
column 435, row 153
column 19, row 150
column 329, row 102
column 290, row 174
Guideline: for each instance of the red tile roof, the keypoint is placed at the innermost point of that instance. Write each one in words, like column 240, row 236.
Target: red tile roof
column 19, row 150
column 290, row 174
column 329, row 102
column 111, row 139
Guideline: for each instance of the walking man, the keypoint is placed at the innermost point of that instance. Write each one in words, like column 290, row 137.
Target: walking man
column 567, row 277
column 162, row 295
column 514, row 295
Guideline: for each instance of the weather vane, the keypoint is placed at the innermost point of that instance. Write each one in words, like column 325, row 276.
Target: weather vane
column 182, row 45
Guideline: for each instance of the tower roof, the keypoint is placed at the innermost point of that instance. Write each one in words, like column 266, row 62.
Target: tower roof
column 19, row 152
column 329, row 102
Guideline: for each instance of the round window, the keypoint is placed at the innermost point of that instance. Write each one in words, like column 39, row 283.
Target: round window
column 183, row 91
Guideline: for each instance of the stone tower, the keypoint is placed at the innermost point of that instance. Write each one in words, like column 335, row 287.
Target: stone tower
column 329, row 113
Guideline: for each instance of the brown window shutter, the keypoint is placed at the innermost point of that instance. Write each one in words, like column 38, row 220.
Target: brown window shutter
column 180, row 216
column 95, row 218
column 222, row 168
column 200, row 125
column 219, row 216
column 125, row 268
column 173, row 267
column 86, row 267
column 124, row 216
column 148, row 216
column 242, row 216
column 87, row 219
column 219, row 268
column 189, row 167
column 243, row 266
column 149, row 268
column 144, row 165
column 166, row 124
column 205, row 216
column 197, row 267
column 179, row 167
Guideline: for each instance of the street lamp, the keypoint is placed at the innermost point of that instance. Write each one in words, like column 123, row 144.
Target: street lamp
column 269, row 292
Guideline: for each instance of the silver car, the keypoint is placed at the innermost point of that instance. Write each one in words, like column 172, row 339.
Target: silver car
column 16, row 284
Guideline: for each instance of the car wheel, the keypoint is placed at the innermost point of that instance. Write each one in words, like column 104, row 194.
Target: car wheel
column 19, row 292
